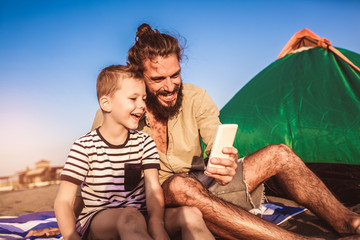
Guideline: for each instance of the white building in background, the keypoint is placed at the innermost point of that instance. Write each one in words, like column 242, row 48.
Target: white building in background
column 42, row 175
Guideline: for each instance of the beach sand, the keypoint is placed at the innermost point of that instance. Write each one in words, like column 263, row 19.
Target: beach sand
column 16, row 203
column 20, row 202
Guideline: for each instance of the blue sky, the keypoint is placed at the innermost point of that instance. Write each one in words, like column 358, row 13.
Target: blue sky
column 52, row 51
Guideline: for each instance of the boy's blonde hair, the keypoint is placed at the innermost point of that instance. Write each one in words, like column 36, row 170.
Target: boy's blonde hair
column 107, row 81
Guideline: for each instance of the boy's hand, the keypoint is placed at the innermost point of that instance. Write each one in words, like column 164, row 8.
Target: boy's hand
column 224, row 175
column 157, row 230
column 48, row 232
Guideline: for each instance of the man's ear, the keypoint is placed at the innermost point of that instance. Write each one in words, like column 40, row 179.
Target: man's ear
column 105, row 103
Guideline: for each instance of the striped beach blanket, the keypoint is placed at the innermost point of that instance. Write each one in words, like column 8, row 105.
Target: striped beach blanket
column 18, row 227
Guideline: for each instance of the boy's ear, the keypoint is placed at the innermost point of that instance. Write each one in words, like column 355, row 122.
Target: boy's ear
column 105, row 103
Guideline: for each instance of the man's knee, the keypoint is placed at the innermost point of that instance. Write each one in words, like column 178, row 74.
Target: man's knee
column 181, row 183
column 277, row 149
column 180, row 188
column 283, row 152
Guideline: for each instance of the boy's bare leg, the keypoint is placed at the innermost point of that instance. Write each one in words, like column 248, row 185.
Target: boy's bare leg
column 188, row 221
column 123, row 223
column 222, row 218
column 301, row 184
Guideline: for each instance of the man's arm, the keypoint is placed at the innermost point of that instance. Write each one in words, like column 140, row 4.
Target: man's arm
column 155, row 204
column 207, row 116
column 64, row 210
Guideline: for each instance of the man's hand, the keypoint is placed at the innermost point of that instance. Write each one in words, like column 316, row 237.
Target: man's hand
column 224, row 175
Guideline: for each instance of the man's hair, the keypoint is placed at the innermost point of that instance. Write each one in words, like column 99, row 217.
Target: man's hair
column 107, row 81
column 150, row 44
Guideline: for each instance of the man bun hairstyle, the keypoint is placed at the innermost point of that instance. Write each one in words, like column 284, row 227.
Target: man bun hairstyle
column 151, row 43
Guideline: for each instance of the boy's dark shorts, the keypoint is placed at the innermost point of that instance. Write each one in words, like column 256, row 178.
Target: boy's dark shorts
column 236, row 191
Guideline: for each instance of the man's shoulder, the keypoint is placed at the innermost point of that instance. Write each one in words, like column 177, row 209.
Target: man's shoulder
column 190, row 90
column 196, row 99
column 192, row 87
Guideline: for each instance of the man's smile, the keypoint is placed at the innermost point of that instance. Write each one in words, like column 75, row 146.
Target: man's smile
column 168, row 97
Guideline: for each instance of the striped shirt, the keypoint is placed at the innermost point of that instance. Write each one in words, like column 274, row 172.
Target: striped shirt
column 111, row 176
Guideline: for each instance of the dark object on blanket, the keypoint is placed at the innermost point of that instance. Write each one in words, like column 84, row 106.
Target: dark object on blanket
column 343, row 180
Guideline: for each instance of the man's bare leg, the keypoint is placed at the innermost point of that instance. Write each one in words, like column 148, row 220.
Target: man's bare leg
column 301, row 184
column 222, row 218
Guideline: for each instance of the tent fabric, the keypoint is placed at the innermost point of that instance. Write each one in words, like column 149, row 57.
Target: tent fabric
column 306, row 38
column 303, row 38
column 308, row 100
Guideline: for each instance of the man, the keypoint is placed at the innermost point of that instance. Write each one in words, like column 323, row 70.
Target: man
column 179, row 114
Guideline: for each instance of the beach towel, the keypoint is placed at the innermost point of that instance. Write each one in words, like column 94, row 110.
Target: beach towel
column 18, row 227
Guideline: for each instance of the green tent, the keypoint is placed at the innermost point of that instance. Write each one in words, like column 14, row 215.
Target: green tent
column 308, row 99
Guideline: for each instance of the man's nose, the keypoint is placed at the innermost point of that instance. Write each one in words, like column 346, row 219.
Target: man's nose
column 169, row 84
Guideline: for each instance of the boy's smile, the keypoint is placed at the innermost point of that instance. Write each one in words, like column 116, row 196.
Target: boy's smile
column 137, row 116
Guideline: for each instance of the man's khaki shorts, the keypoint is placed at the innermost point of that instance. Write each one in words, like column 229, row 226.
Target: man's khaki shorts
column 236, row 191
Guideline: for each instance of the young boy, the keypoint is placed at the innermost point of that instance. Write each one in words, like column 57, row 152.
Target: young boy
column 116, row 167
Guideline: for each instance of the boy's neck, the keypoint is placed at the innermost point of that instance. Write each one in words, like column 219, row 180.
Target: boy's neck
column 115, row 135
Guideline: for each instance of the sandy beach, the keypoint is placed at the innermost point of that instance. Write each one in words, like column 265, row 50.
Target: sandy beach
column 20, row 202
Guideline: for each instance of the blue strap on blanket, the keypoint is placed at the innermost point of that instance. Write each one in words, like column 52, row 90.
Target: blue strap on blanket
column 278, row 213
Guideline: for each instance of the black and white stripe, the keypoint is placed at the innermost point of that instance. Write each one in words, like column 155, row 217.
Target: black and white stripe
column 100, row 169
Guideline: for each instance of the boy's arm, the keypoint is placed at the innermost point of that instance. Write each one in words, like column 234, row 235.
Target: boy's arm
column 155, row 204
column 64, row 210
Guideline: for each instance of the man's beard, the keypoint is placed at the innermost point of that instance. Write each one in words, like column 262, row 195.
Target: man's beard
column 160, row 112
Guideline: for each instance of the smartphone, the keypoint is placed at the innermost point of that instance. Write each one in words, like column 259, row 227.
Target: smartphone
column 225, row 136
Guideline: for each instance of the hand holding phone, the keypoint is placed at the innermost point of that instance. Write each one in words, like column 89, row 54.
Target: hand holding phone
column 225, row 136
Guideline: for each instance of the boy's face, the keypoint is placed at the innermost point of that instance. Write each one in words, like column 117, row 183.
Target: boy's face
column 128, row 103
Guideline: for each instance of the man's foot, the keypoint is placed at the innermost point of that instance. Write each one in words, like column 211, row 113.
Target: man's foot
column 352, row 227
column 357, row 226
column 354, row 237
